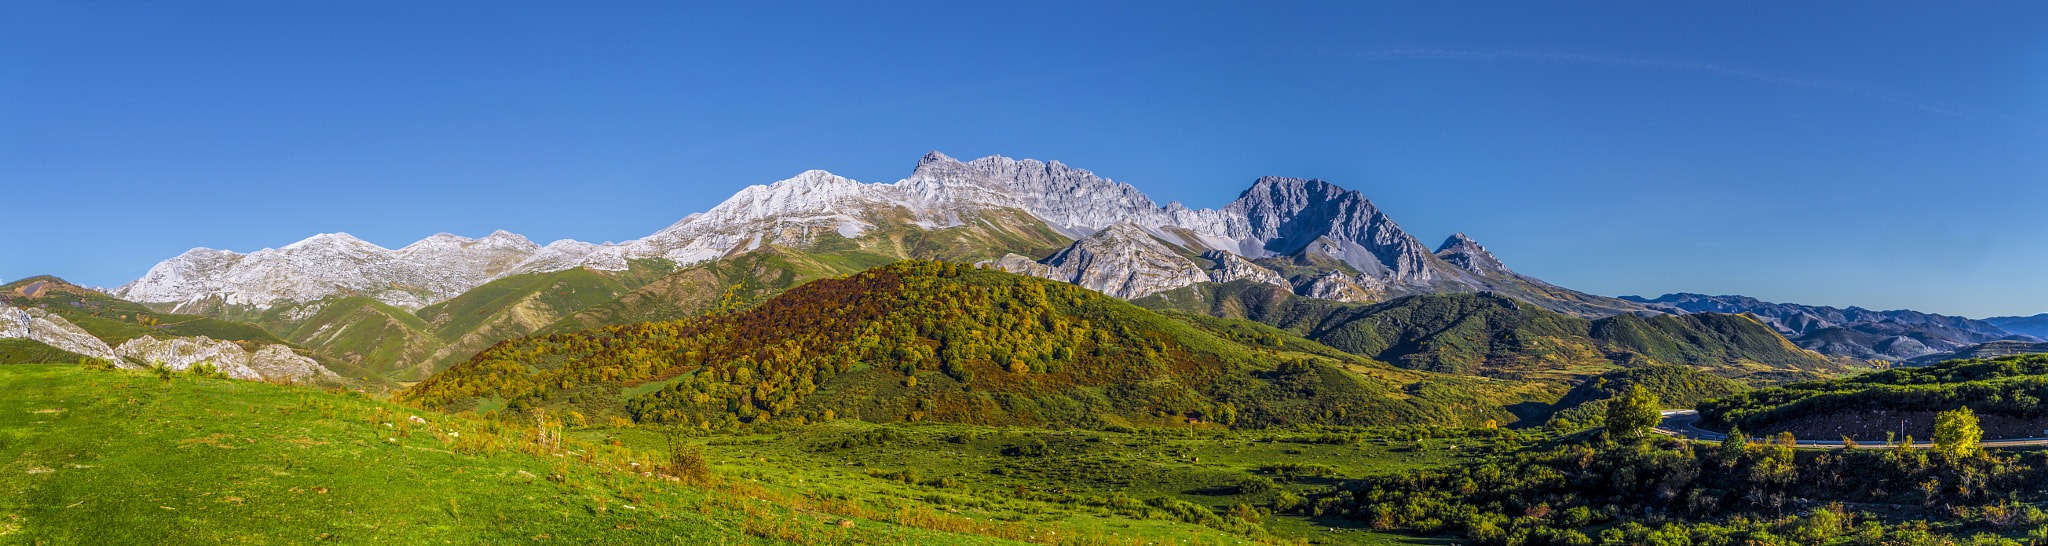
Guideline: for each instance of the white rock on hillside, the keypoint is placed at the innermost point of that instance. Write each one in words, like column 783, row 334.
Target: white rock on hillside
column 1122, row 260
column 268, row 363
column 1336, row 286
column 1230, row 267
column 431, row 270
column 52, row 330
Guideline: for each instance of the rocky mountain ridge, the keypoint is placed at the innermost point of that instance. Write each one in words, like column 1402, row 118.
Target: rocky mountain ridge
column 2036, row 325
column 1275, row 217
column 431, row 270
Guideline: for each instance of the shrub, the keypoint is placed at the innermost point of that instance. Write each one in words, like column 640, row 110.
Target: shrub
column 1253, row 485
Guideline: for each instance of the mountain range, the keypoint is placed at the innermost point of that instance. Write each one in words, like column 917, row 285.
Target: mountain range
column 1853, row 332
column 1294, row 220
column 407, row 313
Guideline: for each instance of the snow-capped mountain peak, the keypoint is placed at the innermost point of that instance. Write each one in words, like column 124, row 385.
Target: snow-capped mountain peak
column 1276, row 216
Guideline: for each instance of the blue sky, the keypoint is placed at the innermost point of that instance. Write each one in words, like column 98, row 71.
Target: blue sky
column 1875, row 154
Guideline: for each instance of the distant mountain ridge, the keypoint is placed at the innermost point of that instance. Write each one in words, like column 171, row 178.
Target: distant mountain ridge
column 2036, row 325
column 1275, row 218
column 1853, row 332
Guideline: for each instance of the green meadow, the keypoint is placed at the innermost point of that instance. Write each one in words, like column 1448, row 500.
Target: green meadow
column 128, row 457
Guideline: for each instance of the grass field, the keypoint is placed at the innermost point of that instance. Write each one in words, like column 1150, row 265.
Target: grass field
column 117, row 457
column 1153, row 483
column 125, row 457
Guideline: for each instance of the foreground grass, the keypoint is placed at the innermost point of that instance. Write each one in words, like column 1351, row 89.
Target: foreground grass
column 1153, row 485
column 117, row 457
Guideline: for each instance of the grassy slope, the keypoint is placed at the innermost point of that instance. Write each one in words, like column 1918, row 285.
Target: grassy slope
column 1677, row 387
column 115, row 320
column 370, row 335
column 392, row 343
column 29, row 351
column 1135, row 366
column 733, row 283
column 1086, row 478
column 1498, row 336
column 121, row 457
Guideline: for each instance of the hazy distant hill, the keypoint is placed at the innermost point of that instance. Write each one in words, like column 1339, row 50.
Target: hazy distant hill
column 1498, row 336
column 2036, row 325
column 1853, row 332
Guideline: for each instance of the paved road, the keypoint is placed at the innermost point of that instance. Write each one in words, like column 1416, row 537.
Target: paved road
column 1679, row 424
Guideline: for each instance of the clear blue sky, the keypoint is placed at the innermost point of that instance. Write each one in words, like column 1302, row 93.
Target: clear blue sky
column 1835, row 153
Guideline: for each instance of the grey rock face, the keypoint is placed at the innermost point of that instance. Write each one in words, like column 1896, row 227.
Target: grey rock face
column 1335, row 286
column 1466, row 253
column 1277, row 216
column 52, row 330
column 1122, row 261
column 1285, row 215
column 433, row 269
column 1231, row 267
column 267, row 363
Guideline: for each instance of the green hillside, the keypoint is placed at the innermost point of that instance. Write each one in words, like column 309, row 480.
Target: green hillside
column 916, row 341
column 1496, row 336
column 392, row 343
column 1678, row 387
column 729, row 284
column 2006, row 392
column 29, row 351
column 115, row 320
column 119, row 457
column 371, row 336
column 744, row 280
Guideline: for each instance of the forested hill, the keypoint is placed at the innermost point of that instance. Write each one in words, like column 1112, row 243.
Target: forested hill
column 1497, row 336
column 934, row 341
column 2006, row 392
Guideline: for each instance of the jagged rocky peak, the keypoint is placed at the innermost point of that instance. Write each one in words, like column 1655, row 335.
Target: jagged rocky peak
column 1231, row 267
column 1073, row 201
column 1467, row 254
column 1276, row 216
column 1123, row 260
column 1291, row 214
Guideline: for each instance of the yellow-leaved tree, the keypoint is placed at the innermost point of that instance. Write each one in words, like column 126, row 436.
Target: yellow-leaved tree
column 1956, row 433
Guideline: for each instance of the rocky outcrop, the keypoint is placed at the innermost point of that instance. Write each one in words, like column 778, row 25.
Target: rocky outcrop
column 1336, row 286
column 266, row 363
column 1122, row 260
column 1466, row 254
column 52, row 330
column 1231, row 267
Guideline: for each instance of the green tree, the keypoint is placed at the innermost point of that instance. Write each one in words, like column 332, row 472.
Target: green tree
column 1734, row 447
column 1956, row 433
column 1630, row 414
